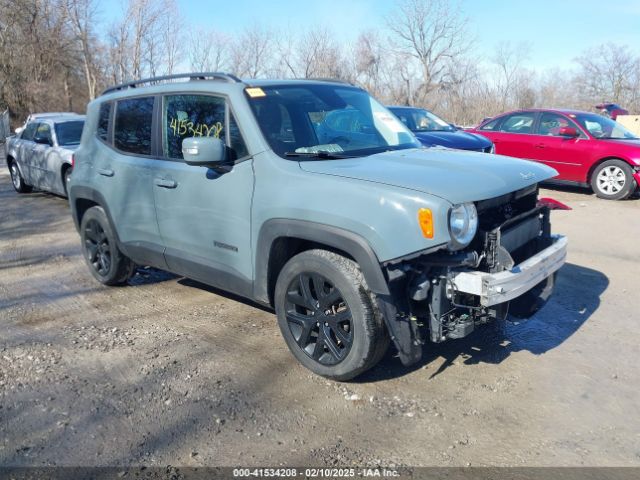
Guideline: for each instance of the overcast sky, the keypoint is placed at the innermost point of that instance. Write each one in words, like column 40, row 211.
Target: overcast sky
column 557, row 31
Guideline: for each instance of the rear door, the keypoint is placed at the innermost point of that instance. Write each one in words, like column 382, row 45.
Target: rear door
column 514, row 137
column 24, row 149
column 204, row 214
column 124, row 177
column 568, row 155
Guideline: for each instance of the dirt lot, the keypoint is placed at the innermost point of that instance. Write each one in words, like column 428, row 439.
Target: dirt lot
column 167, row 371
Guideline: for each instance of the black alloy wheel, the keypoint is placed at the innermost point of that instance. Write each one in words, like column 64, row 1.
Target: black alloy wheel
column 97, row 247
column 319, row 318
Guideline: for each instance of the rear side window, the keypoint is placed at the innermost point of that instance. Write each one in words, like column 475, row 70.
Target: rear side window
column 29, row 131
column 69, row 133
column 132, row 129
column 187, row 116
column 103, row 121
column 519, row 123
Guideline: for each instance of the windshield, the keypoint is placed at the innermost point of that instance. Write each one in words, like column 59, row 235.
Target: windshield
column 69, row 133
column 602, row 127
column 302, row 121
column 420, row 120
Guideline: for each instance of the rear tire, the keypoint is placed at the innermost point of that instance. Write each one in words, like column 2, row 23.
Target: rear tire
column 16, row 178
column 327, row 316
column 106, row 262
column 613, row 180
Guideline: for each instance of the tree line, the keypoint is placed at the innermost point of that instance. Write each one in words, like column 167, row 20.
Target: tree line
column 56, row 55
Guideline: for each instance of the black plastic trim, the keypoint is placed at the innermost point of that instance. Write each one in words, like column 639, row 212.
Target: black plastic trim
column 212, row 273
column 334, row 237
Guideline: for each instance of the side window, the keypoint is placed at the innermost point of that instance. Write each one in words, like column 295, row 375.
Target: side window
column 43, row 132
column 235, row 139
column 187, row 116
column 551, row 123
column 491, row 125
column 29, row 131
column 103, row 121
column 519, row 123
column 132, row 129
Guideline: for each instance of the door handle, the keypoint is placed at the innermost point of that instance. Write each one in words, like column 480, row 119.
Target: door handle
column 161, row 182
column 106, row 172
column 540, row 145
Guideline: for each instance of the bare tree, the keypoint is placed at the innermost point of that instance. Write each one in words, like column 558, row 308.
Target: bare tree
column 433, row 33
column 38, row 61
column 250, row 53
column 145, row 41
column 509, row 60
column 82, row 16
column 609, row 73
column 208, row 51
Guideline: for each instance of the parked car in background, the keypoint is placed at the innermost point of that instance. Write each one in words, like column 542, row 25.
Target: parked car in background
column 585, row 148
column 41, row 155
column 432, row 130
column 41, row 116
column 312, row 198
column 612, row 110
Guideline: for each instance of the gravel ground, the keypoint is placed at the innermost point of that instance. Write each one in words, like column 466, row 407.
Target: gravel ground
column 167, row 371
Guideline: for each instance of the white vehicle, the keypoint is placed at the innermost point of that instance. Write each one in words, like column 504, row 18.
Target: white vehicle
column 41, row 154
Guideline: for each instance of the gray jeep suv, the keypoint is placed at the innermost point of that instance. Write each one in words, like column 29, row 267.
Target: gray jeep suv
column 310, row 197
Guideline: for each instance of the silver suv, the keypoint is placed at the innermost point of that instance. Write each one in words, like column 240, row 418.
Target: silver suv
column 312, row 198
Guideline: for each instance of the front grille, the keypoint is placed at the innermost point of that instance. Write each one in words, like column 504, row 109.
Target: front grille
column 517, row 217
column 495, row 211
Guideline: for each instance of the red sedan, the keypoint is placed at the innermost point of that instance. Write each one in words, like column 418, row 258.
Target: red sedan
column 586, row 149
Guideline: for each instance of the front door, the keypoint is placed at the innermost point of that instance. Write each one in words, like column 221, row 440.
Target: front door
column 568, row 155
column 41, row 174
column 204, row 214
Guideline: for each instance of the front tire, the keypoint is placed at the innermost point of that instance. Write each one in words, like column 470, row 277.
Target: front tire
column 613, row 180
column 327, row 316
column 16, row 178
column 106, row 262
column 66, row 178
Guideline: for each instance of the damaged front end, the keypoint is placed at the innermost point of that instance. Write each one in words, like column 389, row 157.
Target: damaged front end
column 508, row 269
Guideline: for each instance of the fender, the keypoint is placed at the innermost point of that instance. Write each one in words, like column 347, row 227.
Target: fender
column 349, row 242
column 13, row 157
column 86, row 193
column 400, row 329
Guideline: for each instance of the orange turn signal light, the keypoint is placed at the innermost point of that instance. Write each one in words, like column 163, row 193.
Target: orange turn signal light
column 425, row 219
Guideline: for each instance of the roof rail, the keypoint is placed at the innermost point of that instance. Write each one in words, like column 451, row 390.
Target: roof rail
column 331, row 80
column 227, row 77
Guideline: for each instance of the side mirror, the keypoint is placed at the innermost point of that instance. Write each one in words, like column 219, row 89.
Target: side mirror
column 19, row 130
column 42, row 140
column 203, row 151
column 568, row 132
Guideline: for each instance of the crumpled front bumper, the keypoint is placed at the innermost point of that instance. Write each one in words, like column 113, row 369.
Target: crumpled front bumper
column 496, row 288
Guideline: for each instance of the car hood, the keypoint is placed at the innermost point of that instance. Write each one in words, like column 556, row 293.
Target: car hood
column 449, row 174
column 456, row 139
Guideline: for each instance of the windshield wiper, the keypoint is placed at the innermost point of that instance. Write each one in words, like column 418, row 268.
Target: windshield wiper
column 321, row 154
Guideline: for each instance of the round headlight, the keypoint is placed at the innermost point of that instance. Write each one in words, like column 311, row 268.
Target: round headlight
column 463, row 224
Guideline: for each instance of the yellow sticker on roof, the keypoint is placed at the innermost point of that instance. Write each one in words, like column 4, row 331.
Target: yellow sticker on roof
column 255, row 92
